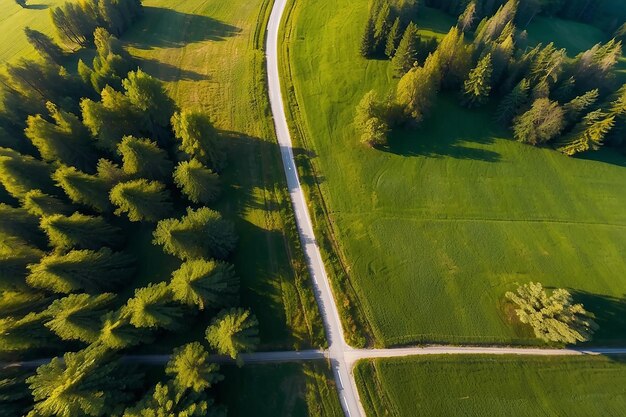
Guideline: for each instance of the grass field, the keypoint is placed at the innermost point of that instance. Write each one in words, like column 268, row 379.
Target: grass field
column 437, row 228
column 477, row 386
column 294, row 390
column 209, row 54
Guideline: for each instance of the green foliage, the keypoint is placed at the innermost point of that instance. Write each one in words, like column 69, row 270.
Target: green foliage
column 66, row 140
column 142, row 200
column 18, row 223
column 153, row 307
column 405, row 56
column 513, row 102
column 417, row 89
column 78, row 316
column 205, row 284
column 595, row 67
column 80, row 231
column 367, row 40
column 167, row 400
column 148, row 96
column 14, row 394
column 371, row 119
column 21, row 173
column 86, row 383
column 232, row 332
column 143, row 158
column 19, row 303
column 118, row 333
column 202, row 233
column 554, row 318
column 15, row 255
column 110, row 65
column 190, row 368
column 82, row 188
column 543, row 122
column 589, row 134
column 81, row 270
column 467, row 18
column 40, row 204
column 393, row 38
column 199, row 139
column 23, row 334
column 478, row 85
column 44, row 45
column 198, row 183
column 575, row 108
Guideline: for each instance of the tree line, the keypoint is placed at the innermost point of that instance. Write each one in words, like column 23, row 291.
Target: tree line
column 545, row 96
column 85, row 154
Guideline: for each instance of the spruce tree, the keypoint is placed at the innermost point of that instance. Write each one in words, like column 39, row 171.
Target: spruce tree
column 199, row 139
column 203, row 284
column 190, row 368
column 406, row 54
column 118, row 333
column 80, row 231
column 478, row 85
column 141, row 200
column 82, row 188
column 232, row 332
column 143, row 158
column 18, row 303
column 589, row 134
column 418, row 88
column 578, row 105
column 543, row 122
column 23, row 334
column 20, row 173
column 44, row 45
column 20, row 224
column 153, row 307
column 198, row 183
column 393, row 38
column 513, row 102
column 15, row 256
column 168, row 396
column 201, row 233
column 466, row 19
column 40, row 204
column 368, row 41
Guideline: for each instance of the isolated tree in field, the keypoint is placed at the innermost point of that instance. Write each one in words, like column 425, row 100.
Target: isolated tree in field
column 81, row 270
column 513, row 102
column 554, row 318
column 40, row 204
column 190, row 368
column 78, row 316
column 18, row 223
column 148, row 95
column 86, row 383
column 467, row 18
column 202, row 233
column 66, row 140
column 153, row 307
column 20, row 173
column 82, row 188
column 417, row 90
column 22, row 334
column 578, row 105
column 118, row 333
column 15, row 256
column 198, row 138
column 588, row 134
column 44, row 45
column 197, row 182
column 367, row 40
column 141, row 200
column 203, row 284
column 370, row 120
column 543, row 122
column 405, row 56
column 233, row 331
column 478, row 85
column 80, row 231
column 143, row 158
column 393, row 38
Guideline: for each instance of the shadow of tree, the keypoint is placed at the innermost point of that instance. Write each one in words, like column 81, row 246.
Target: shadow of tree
column 167, row 72
column 167, row 28
column 606, row 155
column 610, row 313
column 36, row 6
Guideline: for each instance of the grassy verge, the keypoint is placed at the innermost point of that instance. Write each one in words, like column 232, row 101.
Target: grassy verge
column 493, row 386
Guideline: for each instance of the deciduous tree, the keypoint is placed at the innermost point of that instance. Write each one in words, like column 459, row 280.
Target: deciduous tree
column 542, row 123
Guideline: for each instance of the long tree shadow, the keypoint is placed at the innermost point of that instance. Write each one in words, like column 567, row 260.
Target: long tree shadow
column 167, row 72
column 167, row 28
column 610, row 315
column 608, row 156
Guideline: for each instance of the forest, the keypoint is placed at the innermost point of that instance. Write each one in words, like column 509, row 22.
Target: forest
column 546, row 98
column 88, row 154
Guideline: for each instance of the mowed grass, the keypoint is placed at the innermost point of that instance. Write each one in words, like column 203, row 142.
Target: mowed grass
column 487, row 386
column 437, row 228
column 295, row 390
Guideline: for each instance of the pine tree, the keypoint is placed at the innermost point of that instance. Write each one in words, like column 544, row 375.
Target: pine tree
column 406, row 54
column 466, row 19
column 78, row 316
column 589, row 134
column 232, row 332
column 543, row 122
column 381, row 27
column 393, row 38
column 367, row 41
column 20, row 173
column 15, row 399
column 82, row 188
column 513, row 102
column 205, row 284
column 81, row 270
column 168, row 398
column 153, row 307
column 199, row 139
column 18, row 223
column 80, row 231
column 143, row 158
column 15, row 256
column 23, row 334
column 575, row 108
column 202, row 233
column 198, row 183
column 66, row 140
column 118, row 333
column 190, row 368
column 40, row 204
column 478, row 85
column 141, row 200
column 44, row 45
column 454, row 58
column 18, row 303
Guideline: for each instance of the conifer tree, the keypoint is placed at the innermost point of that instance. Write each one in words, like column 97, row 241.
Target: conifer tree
column 406, row 54
column 466, row 19
column 417, row 89
column 15, row 256
column 153, row 307
column 40, row 204
column 167, row 396
column 20, row 224
column 78, row 316
column 20, row 173
column 589, row 134
column 368, row 41
column 82, row 188
column 199, row 139
column 513, row 102
column 23, row 334
column 454, row 58
column 118, row 333
column 141, row 200
column 232, row 332
column 143, row 158
column 81, row 270
column 15, row 399
column 66, row 140
column 44, row 45
column 575, row 108
column 381, row 27
column 190, row 368
column 198, row 183
column 110, row 173
column 543, row 122
column 202, row 233
column 18, row 303
column 205, row 284
column 393, row 38
column 80, row 231
column 478, row 85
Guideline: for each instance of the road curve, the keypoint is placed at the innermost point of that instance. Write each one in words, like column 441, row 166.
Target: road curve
column 337, row 346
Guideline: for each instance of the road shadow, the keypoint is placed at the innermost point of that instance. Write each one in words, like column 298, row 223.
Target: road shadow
column 167, row 72
column 167, row 28
column 610, row 314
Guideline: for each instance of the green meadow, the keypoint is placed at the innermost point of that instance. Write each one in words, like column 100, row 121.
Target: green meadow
column 493, row 386
column 437, row 227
